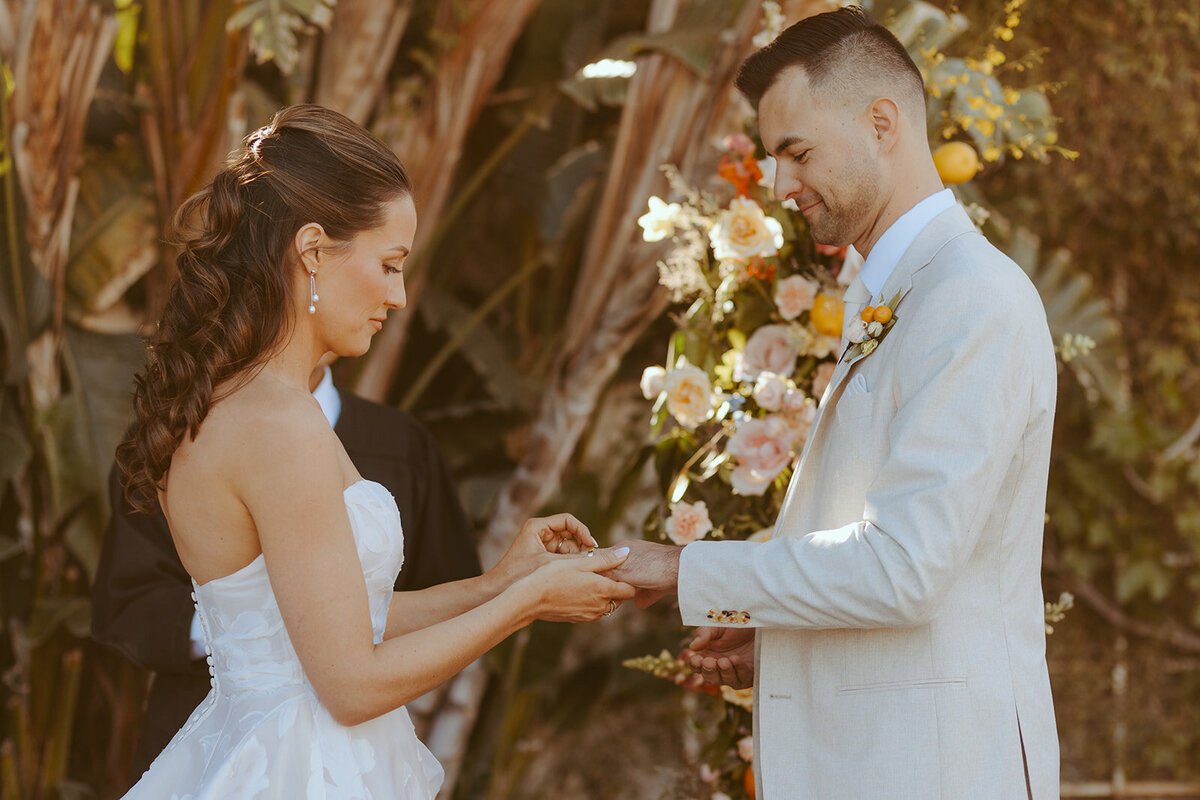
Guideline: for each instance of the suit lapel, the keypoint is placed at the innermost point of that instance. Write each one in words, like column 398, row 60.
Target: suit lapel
column 950, row 224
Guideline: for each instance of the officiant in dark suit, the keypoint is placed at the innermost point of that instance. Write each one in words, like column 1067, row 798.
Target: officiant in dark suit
column 142, row 597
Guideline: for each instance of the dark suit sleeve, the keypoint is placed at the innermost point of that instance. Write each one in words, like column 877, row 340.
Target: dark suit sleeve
column 442, row 542
column 389, row 446
column 141, row 597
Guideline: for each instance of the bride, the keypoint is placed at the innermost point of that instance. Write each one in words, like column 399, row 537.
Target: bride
column 297, row 249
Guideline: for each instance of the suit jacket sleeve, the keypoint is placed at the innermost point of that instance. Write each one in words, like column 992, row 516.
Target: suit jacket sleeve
column 963, row 397
column 141, row 597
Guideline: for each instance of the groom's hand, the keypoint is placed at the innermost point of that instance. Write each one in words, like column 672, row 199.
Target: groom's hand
column 651, row 567
column 723, row 656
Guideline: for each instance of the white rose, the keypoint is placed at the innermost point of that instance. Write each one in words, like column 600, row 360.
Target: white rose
column 744, row 231
column 795, row 295
column 653, row 382
column 745, row 748
column 769, row 391
column 689, row 395
column 659, row 222
column 687, row 523
column 794, row 400
column 856, row 331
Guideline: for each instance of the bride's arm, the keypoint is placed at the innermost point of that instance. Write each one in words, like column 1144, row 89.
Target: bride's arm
column 291, row 484
column 535, row 546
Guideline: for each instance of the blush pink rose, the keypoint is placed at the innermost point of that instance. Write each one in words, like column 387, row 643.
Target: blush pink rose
column 770, row 349
column 822, row 378
column 795, row 295
column 761, row 448
column 769, row 391
column 688, row 522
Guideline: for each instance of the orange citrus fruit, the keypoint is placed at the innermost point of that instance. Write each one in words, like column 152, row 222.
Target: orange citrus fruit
column 882, row 315
column 868, row 314
column 748, row 781
column 827, row 313
column 956, row 162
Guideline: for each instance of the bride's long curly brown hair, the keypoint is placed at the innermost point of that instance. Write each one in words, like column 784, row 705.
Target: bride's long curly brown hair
column 233, row 304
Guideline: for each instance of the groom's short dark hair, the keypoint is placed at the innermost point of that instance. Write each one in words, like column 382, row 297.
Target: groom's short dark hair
column 841, row 50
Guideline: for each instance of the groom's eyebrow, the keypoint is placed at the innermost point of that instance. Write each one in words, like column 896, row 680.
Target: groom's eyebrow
column 785, row 143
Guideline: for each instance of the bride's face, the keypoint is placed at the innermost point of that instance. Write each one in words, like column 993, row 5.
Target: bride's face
column 360, row 283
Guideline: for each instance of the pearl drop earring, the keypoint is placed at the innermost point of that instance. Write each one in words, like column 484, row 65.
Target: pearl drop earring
column 312, row 291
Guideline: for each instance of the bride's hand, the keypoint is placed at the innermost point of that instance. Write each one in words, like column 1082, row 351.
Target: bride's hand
column 569, row 588
column 539, row 540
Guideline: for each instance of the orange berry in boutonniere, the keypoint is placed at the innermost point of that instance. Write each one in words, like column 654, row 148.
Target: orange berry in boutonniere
column 748, row 782
column 882, row 315
column 868, row 314
column 827, row 314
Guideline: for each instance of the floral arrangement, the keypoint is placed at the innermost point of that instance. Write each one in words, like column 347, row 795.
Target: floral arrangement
column 760, row 320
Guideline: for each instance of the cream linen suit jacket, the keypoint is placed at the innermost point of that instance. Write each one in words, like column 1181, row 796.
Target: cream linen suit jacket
column 898, row 606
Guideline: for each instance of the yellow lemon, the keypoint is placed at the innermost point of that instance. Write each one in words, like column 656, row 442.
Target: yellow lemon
column 956, row 162
column 827, row 315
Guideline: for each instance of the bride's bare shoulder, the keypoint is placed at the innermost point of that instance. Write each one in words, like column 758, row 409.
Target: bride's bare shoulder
column 259, row 425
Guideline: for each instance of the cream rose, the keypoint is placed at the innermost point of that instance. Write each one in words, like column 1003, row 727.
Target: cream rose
column 659, row 222
column 689, row 395
column 688, row 522
column 762, row 448
column 654, row 380
column 795, row 295
column 771, row 348
column 745, row 748
column 744, row 231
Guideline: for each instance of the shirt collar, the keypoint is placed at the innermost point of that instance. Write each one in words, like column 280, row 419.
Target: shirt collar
column 327, row 395
column 886, row 253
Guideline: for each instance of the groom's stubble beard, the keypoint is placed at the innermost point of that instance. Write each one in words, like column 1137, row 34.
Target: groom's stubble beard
column 839, row 219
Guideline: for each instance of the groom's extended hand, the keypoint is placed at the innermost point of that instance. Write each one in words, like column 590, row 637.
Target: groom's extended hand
column 653, row 568
column 723, row 656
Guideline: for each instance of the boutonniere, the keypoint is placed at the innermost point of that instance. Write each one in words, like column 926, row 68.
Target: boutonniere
column 867, row 331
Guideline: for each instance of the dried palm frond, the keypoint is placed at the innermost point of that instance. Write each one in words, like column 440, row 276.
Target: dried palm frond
column 356, row 53
column 477, row 37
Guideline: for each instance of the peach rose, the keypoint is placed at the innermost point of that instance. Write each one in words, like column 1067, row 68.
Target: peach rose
column 689, row 395
column 744, row 231
column 771, row 348
column 762, row 448
column 688, row 522
column 822, row 378
column 795, row 295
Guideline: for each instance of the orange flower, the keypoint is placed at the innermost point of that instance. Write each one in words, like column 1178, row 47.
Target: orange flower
column 742, row 173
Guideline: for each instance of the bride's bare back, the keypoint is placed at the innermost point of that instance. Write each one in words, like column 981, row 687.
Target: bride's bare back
column 210, row 476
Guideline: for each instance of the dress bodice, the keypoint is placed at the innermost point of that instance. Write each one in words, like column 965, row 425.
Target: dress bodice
column 248, row 645
column 262, row 733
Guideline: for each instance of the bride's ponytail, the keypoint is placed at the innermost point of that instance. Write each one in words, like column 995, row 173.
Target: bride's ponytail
column 231, row 307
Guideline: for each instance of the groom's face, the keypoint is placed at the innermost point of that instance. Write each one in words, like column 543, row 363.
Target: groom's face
column 825, row 162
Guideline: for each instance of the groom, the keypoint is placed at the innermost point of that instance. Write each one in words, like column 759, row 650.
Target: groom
column 893, row 625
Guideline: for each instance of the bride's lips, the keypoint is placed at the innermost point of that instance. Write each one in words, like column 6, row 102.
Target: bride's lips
column 378, row 323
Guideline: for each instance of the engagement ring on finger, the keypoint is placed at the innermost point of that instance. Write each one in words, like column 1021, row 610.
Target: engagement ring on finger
column 612, row 606
column 591, row 552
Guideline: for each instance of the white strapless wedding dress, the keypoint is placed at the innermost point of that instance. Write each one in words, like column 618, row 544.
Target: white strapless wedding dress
column 261, row 732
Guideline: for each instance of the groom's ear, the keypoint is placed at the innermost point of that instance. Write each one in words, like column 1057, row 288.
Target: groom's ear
column 884, row 117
